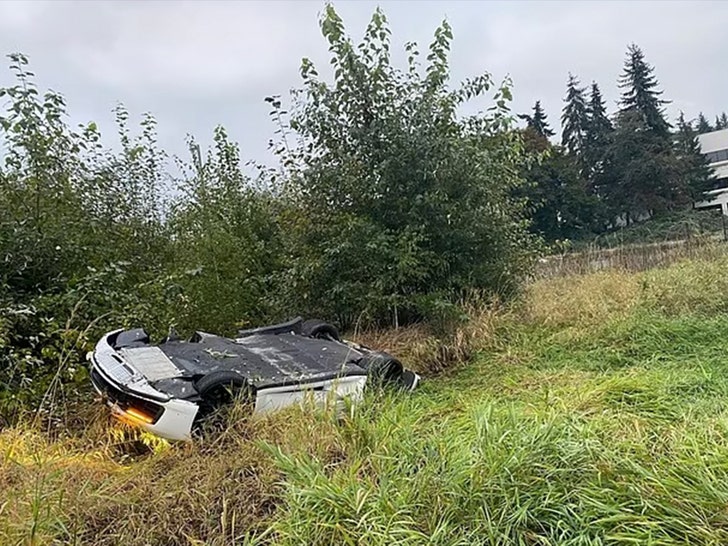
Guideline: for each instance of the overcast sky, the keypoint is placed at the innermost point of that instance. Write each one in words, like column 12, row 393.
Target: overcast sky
column 195, row 65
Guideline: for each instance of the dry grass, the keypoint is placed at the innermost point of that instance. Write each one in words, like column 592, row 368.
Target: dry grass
column 689, row 287
column 114, row 485
column 686, row 287
column 430, row 353
column 582, row 300
column 636, row 257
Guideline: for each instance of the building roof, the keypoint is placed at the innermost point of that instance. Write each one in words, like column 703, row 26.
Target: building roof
column 713, row 141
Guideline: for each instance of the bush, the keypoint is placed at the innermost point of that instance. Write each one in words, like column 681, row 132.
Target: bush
column 399, row 203
column 226, row 242
column 89, row 243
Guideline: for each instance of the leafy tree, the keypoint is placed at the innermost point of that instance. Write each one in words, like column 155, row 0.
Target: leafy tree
column 696, row 172
column 226, row 239
column 574, row 118
column 81, row 237
column 397, row 204
column 68, row 204
column 640, row 93
column 703, row 124
column 89, row 243
column 538, row 121
column 39, row 204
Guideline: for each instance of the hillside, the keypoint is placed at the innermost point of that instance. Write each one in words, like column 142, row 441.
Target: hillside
column 679, row 225
column 594, row 412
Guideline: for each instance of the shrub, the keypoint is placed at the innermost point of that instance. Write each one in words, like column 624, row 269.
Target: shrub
column 226, row 241
column 399, row 204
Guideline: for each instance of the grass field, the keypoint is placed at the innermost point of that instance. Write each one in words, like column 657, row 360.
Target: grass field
column 593, row 412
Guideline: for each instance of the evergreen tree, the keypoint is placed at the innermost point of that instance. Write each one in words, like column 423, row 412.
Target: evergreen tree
column 697, row 176
column 598, row 123
column 640, row 92
column 721, row 122
column 642, row 171
column 574, row 118
column 598, row 131
column 645, row 175
column 560, row 203
column 538, row 121
column 703, row 124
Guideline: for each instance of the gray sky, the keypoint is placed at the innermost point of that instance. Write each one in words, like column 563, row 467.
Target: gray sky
column 198, row 64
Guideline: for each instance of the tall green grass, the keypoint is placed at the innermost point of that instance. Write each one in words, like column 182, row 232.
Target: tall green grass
column 596, row 413
column 622, row 440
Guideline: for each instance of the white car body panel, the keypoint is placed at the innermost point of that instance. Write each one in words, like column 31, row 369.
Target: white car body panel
column 178, row 417
column 321, row 393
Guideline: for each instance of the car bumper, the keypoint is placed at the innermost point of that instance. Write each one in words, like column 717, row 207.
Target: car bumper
column 171, row 419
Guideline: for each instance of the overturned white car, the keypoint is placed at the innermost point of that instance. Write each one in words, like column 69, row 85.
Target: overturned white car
column 171, row 387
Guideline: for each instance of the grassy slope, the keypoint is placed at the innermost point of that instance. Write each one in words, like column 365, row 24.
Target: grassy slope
column 668, row 226
column 597, row 415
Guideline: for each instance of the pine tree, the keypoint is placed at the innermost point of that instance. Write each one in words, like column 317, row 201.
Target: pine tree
column 640, row 92
column 642, row 171
column 721, row 122
column 697, row 176
column 598, row 130
column 574, row 118
column 538, row 121
column 561, row 205
column 703, row 124
column 597, row 112
column 645, row 174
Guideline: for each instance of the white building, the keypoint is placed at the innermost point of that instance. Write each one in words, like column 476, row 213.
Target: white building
column 714, row 146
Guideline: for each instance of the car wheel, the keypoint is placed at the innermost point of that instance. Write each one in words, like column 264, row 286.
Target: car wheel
column 221, row 393
column 320, row 330
column 382, row 368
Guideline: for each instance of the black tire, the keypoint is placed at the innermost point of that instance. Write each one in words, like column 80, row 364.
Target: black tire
column 219, row 391
column 320, row 330
column 382, row 368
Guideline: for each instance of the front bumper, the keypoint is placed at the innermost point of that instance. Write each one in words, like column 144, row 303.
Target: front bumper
column 172, row 419
column 133, row 400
